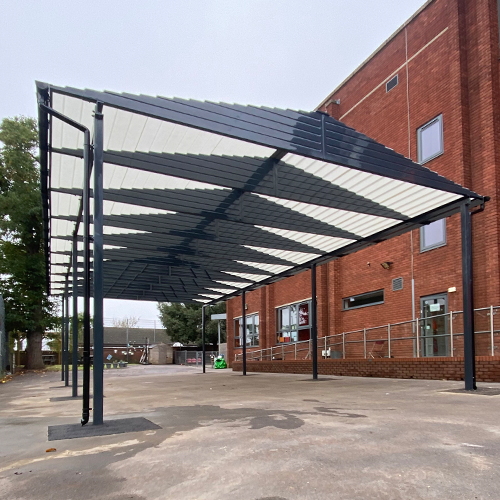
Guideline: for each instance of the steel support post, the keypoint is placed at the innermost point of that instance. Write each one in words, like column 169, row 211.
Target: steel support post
column 468, row 307
column 63, row 337
column 74, row 257
column 87, row 161
column 98, row 276
column 314, row 324
column 203, row 326
column 244, row 326
column 66, row 332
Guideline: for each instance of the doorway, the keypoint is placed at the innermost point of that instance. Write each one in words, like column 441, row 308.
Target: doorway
column 434, row 338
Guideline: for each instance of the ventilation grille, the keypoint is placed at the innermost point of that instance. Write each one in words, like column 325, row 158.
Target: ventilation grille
column 391, row 83
column 397, row 284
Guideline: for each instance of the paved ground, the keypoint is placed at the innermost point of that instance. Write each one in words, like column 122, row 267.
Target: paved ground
column 258, row 437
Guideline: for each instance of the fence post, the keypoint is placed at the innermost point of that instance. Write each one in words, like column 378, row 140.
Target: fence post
column 295, row 345
column 364, row 340
column 418, row 340
column 452, row 349
column 343, row 344
column 283, row 352
column 492, row 327
column 325, row 346
column 389, row 339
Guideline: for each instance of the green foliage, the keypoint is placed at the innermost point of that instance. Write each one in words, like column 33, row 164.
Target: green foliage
column 22, row 262
column 183, row 322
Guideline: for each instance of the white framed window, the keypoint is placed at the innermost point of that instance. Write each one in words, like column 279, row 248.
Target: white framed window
column 252, row 326
column 433, row 235
column 430, row 140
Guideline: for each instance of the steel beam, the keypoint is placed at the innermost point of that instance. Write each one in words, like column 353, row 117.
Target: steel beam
column 314, row 323
column 98, row 275
column 468, row 304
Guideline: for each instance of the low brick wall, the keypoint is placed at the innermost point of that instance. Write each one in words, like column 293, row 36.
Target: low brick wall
column 487, row 368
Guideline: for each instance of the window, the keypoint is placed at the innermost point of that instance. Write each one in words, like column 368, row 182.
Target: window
column 391, row 83
column 430, row 140
column 252, row 324
column 433, row 235
column 293, row 322
column 363, row 300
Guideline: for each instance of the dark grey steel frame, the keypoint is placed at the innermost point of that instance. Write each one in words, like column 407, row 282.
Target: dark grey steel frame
column 350, row 153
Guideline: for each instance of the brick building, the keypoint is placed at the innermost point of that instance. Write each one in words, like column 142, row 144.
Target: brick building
column 432, row 93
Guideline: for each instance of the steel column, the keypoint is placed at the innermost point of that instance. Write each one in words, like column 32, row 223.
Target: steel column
column 468, row 306
column 244, row 326
column 63, row 338
column 314, row 324
column 203, row 325
column 74, row 257
column 98, row 276
column 87, row 162
column 66, row 332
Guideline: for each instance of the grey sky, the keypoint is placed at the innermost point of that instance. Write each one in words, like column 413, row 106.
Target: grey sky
column 283, row 53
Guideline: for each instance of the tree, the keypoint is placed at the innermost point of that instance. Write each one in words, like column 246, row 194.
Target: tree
column 183, row 322
column 29, row 312
column 129, row 322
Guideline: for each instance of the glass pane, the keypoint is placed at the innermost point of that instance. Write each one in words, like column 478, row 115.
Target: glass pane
column 285, row 318
column 365, row 299
column 256, row 330
column 433, row 234
column 293, row 317
column 431, row 140
column 304, row 314
column 304, row 334
column 249, row 332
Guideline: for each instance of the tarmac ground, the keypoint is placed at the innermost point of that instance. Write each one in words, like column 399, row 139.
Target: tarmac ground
column 260, row 437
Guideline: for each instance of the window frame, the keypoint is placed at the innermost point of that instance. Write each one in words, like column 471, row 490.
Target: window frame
column 395, row 77
column 420, row 129
column 348, row 299
column 427, row 248
column 253, row 339
column 279, row 328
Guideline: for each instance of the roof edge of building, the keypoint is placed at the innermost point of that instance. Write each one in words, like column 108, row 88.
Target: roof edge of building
column 374, row 53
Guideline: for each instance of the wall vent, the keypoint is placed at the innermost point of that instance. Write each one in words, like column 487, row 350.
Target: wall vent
column 397, row 284
column 391, row 83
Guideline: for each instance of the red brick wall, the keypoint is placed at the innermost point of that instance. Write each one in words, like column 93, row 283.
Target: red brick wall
column 487, row 368
column 453, row 69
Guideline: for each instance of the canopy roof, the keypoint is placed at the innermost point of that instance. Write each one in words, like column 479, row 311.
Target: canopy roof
column 203, row 199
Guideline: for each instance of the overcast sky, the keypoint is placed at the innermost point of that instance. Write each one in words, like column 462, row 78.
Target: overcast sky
column 282, row 53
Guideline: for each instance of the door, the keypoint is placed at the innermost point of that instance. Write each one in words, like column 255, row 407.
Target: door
column 434, row 338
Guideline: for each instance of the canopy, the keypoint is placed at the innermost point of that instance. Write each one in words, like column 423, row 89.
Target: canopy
column 204, row 199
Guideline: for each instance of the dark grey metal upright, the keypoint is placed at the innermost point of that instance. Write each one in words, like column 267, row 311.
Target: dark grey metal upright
column 98, row 267
column 74, row 263
column 244, row 332
column 468, row 305
column 86, row 277
column 314, row 323
column 63, row 324
column 66, row 333
column 203, row 337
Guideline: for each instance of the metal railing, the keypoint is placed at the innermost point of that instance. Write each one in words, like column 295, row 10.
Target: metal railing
column 439, row 335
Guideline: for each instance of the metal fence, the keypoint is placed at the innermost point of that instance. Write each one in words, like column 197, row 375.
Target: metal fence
column 439, row 335
column 194, row 358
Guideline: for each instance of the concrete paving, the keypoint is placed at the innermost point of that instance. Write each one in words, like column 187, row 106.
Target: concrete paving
column 260, row 437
